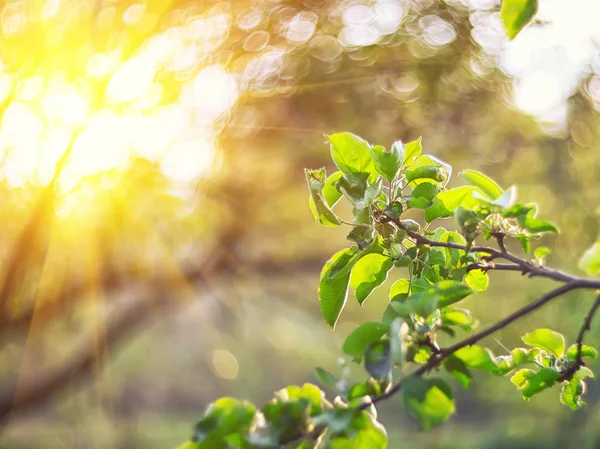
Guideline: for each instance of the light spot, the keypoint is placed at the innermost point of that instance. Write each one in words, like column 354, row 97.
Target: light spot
column 225, row 364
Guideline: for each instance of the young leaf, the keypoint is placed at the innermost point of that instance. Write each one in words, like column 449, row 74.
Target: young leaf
column 424, row 172
column 535, row 225
column 571, row 393
column 546, row 339
column 333, row 286
column 378, row 361
column 388, row 163
column 412, row 151
column 515, row 14
column 422, row 195
column 518, row 356
column 330, row 193
column 453, row 255
column 590, row 261
column 356, row 343
column 430, row 401
column 450, row 292
column 326, row 378
column 446, row 202
column 458, row 369
column 477, row 357
column 478, row 280
column 351, row 154
column 531, row 382
column 400, row 287
column 458, row 317
column 541, row 252
column 489, row 187
column 368, row 273
column 319, row 205
column 586, row 351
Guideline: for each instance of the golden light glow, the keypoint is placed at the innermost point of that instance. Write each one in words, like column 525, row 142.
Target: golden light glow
column 112, row 111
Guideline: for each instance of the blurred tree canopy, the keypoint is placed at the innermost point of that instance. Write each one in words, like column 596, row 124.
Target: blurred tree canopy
column 184, row 127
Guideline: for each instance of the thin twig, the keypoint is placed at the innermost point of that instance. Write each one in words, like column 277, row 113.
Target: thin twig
column 525, row 266
column 436, row 360
column 586, row 326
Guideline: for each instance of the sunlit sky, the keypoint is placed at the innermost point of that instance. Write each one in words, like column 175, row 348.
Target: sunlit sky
column 45, row 112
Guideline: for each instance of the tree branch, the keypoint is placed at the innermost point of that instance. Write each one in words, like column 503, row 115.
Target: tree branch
column 525, row 266
column 586, row 326
column 437, row 359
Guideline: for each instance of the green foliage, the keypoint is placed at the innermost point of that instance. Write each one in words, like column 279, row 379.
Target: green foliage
column 430, row 401
column 433, row 270
column 515, row 14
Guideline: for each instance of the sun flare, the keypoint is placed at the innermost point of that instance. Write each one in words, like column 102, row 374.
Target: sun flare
column 116, row 111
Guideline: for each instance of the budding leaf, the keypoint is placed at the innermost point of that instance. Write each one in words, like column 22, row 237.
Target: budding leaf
column 590, row 261
column 368, row 273
column 489, row 187
column 412, row 151
column 546, row 339
column 430, row 401
column 356, row 343
column 388, row 163
column 586, row 351
column 515, row 14
column 351, row 154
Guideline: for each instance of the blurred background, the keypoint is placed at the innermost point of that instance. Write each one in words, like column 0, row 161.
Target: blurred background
column 158, row 250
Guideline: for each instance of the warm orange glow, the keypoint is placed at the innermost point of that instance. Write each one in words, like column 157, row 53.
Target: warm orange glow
column 112, row 111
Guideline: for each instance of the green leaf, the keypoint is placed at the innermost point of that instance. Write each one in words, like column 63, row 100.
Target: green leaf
column 351, row 154
column 541, row 252
column 223, row 418
column 518, row 356
column 535, row 225
column 412, row 151
column 319, row 205
column 430, row 401
column 326, row 378
column 489, row 187
column 309, row 392
column 546, row 339
column 458, row 317
column 458, row 369
column 359, row 190
column 524, row 241
column 330, row 193
column 446, row 202
column 506, row 200
column 586, row 351
column 571, row 393
column 362, row 432
column 368, row 273
column 590, row 261
column 515, row 14
column 333, row 286
column 453, row 256
column 450, row 292
column 388, row 163
column 378, row 362
column 401, row 286
column 478, row 280
column 422, row 195
column 356, row 343
column 362, row 235
column 531, row 382
column 421, row 303
column 477, row 357
column 424, row 172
